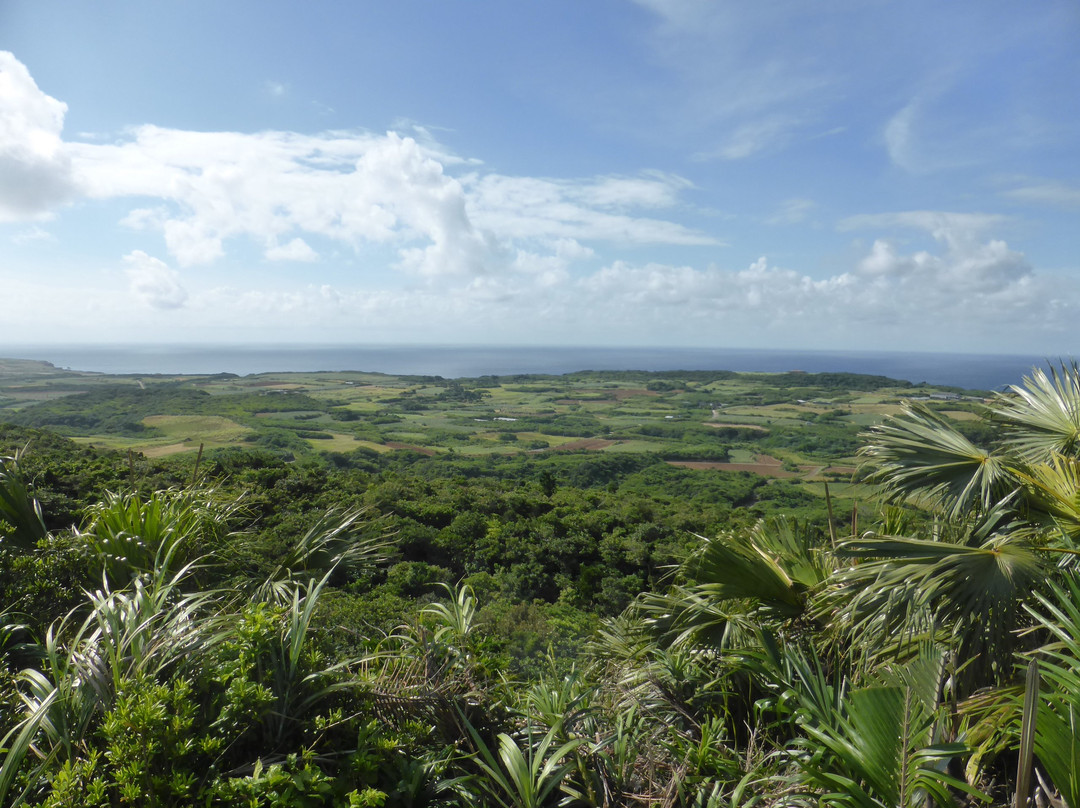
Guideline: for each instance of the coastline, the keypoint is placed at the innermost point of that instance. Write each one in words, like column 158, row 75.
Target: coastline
column 971, row 371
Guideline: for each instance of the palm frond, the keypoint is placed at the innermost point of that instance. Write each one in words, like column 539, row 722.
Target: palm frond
column 1057, row 727
column 693, row 616
column 904, row 591
column 774, row 564
column 919, row 457
column 1041, row 416
column 1052, row 490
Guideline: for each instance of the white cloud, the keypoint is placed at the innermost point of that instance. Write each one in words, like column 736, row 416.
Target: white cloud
column 984, row 297
column 792, row 211
column 202, row 190
column 970, row 265
column 899, row 137
column 295, row 250
column 750, row 138
column 972, row 269
column 35, row 172
column 535, row 208
column 653, row 189
column 153, row 282
column 31, row 235
column 745, row 87
column 1047, row 192
column 357, row 188
column 350, row 187
column 953, row 228
column 938, row 130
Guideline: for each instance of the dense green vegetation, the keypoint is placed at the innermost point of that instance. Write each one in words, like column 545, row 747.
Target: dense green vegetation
column 262, row 623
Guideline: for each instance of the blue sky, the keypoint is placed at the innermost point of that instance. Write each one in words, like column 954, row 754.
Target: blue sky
column 833, row 175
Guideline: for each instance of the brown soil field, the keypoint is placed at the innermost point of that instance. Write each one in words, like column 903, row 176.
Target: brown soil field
column 765, row 465
column 767, row 460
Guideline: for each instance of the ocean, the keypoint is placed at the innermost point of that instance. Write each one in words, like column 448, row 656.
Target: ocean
column 972, row 371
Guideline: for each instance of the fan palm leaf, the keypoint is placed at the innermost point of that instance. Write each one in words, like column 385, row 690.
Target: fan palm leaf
column 775, row 564
column 905, row 590
column 1057, row 727
column 919, row 457
column 694, row 616
column 1052, row 490
column 1041, row 417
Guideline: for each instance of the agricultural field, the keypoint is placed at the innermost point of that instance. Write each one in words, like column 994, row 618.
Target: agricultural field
column 795, row 425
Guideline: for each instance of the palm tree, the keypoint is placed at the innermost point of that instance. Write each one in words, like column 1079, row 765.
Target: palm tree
column 1004, row 520
column 918, row 457
column 963, row 587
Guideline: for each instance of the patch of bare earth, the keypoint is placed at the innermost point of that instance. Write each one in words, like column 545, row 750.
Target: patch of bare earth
column 765, row 465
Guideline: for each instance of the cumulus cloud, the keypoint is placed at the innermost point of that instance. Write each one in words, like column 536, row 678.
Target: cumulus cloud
column 968, row 277
column 35, row 170
column 979, row 268
column 350, row 187
column 361, row 188
column 356, row 188
column 153, row 282
column 295, row 250
column 921, row 298
column 968, row 271
column 759, row 292
column 888, row 298
column 204, row 190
